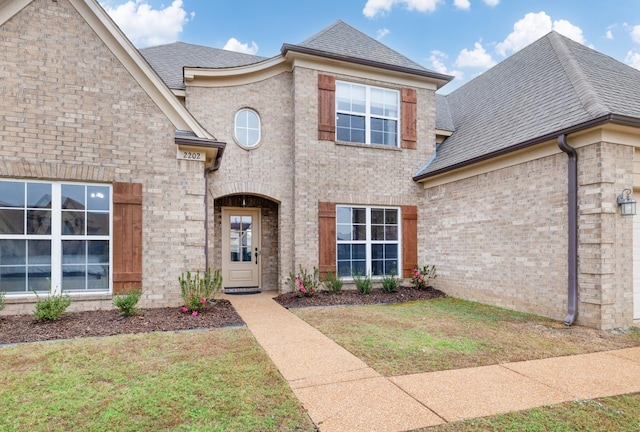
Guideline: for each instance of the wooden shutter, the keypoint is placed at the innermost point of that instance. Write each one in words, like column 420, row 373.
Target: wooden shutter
column 127, row 237
column 327, row 238
column 326, row 107
column 409, row 239
column 409, row 119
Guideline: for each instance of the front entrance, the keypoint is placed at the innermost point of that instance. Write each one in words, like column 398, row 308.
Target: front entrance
column 241, row 249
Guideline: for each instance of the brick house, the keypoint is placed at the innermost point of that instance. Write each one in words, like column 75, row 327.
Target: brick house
column 339, row 154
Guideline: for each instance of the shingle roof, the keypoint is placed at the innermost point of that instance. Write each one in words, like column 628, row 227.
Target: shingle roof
column 168, row 60
column 552, row 85
column 341, row 41
column 443, row 114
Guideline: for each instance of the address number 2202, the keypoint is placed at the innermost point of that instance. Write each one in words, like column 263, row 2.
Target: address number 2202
column 191, row 155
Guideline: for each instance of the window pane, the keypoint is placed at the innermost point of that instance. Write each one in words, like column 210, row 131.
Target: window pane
column 98, row 198
column 97, row 277
column 344, row 232
column 359, row 268
column 377, row 232
column 38, row 195
column 377, row 251
column 72, row 223
column 391, row 216
column 73, row 197
column 358, row 252
column 98, row 251
column 344, row 214
column 39, row 222
column 377, row 216
column 359, row 232
column 391, row 251
column 39, row 278
column 344, row 268
column 97, row 223
column 391, row 233
column 359, row 216
column 11, row 194
column 377, row 267
column 247, row 127
column 13, row 279
column 73, row 252
column 12, row 252
column 39, row 252
column 11, row 221
column 344, row 252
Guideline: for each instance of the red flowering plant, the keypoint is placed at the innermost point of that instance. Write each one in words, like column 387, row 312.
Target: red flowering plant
column 198, row 290
column 422, row 277
column 305, row 284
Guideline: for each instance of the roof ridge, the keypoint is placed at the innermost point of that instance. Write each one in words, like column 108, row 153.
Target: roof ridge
column 585, row 91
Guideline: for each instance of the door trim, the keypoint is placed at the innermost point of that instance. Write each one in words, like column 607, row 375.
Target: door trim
column 250, row 269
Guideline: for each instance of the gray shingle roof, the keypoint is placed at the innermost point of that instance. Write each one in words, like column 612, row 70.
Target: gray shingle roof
column 341, row 41
column 443, row 114
column 168, row 60
column 553, row 85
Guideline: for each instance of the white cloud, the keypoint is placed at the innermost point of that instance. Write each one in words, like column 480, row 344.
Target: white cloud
column 462, row 4
column 145, row 26
column 609, row 35
column 477, row 58
column 380, row 7
column 234, row 44
column 492, row 3
column 532, row 27
column 635, row 34
column 382, row 33
column 633, row 59
column 437, row 59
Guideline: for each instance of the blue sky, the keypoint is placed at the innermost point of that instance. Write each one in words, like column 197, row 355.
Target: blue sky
column 457, row 37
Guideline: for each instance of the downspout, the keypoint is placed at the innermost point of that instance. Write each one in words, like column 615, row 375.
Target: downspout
column 207, row 171
column 572, row 173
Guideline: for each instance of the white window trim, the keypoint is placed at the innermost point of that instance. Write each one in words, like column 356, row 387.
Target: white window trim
column 57, row 237
column 368, row 115
column 235, row 129
column 368, row 242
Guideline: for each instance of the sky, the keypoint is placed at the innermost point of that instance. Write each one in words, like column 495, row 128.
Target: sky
column 462, row 38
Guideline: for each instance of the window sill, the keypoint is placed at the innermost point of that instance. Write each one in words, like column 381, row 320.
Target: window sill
column 76, row 296
column 369, row 146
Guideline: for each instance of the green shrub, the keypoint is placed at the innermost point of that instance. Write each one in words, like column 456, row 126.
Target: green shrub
column 305, row 284
column 52, row 307
column 363, row 283
column 2, row 293
column 422, row 277
column 126, row 303
column 390, row 283
column 332, row 283
column 197, row 290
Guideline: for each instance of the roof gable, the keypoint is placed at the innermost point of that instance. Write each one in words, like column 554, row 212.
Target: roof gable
column 547, row 88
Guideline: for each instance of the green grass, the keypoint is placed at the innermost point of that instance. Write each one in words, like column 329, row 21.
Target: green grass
column 620, row 413
column 217, row 380
column 450, row 333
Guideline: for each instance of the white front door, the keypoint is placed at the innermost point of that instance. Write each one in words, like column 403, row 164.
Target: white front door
column 240, row 249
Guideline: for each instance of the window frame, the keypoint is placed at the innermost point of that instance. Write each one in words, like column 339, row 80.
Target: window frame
column 368, row 241
column 246, row 128
column 368, row 116
column 56, row 237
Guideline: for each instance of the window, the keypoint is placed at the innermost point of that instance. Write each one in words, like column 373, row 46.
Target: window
column 247, row 128
column 54, row 233
column 367, row 114
column 368, row 241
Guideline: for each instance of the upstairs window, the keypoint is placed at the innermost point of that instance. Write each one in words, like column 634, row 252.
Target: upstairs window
column 366, row 114
column 247, row 128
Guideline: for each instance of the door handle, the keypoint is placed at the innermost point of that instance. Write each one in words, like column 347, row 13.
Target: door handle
column 257, row 253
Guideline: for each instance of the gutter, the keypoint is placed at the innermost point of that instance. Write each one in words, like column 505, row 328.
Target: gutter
column 207, row 171
column 609, row 118
column 572, row 173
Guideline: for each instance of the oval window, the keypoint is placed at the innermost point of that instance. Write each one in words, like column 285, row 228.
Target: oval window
column 247, row 128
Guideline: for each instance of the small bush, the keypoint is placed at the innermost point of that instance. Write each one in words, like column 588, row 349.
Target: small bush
column 422, row 277
column 2, row 293
column 197, row 290
column 332, row 283
column 363, row 283
column 390, row 283
column 304, row 283
column 51, row 307
column 126, row 303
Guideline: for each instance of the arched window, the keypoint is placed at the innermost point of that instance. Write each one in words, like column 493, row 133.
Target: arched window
column 247, row 128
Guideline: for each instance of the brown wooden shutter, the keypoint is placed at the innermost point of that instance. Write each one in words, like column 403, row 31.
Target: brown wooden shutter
column 127, row 237
column 327, row 238
column 409, row 119
column 326, row 107
column 409, row 239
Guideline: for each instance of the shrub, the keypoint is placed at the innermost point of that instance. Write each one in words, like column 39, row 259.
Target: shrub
column 389, row 283
column 51, row 307
column 2, row 293
column 422, row 277
column 197, row 290
column 332, row 283
column 303, row 283
column 126, row 303
column 363, row 283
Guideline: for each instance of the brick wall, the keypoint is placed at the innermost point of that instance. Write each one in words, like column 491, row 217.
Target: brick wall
column 70, row 111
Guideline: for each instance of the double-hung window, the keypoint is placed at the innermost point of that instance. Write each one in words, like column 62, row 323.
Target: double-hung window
column 54, row 235
column 367, row 114
column 368, row 241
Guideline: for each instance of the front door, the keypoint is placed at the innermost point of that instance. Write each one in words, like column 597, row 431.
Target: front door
column 240, row 249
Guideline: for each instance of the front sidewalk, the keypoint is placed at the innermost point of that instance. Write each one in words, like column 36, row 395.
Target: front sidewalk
column 342, row 393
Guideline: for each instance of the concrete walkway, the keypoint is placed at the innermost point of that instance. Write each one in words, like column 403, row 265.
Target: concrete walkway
column 342, row 393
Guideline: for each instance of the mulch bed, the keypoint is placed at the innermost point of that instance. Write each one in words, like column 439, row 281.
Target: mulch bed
column 24, row 328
